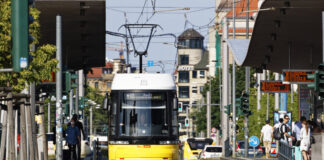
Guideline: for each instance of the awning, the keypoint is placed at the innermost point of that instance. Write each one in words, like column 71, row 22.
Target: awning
column 239, row 48
column 83, row 30
column 287, row 35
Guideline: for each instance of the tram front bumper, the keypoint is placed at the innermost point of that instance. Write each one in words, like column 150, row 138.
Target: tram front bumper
column 143, row 152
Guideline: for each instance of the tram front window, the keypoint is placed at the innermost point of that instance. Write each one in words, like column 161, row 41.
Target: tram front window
column 143, row 114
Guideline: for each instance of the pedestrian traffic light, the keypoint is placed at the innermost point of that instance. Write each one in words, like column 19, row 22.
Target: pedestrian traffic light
column 227, row 109
column 187, row 122
column 180, row 106
column 315, row 77
column 20, row 20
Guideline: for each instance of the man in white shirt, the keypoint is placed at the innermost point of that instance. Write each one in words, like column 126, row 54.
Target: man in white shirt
column 266, row 134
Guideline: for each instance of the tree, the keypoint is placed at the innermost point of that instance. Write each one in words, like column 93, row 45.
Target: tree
column 200, row 115
column 42, row 61
column 100, row 115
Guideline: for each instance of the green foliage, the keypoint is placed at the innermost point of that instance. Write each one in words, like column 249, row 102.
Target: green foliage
column 100, row 116
column 43, row 61
column 258, row 117
column 200, row 115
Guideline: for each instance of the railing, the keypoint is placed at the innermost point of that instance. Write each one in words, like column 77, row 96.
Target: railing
column 286, row 152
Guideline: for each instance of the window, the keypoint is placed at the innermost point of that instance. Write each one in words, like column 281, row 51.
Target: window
column 202, row 74
column 183, row 77
column 185, row 105
column 201, row 89
column 143, row 114
column 107, row 70
column 194, row 89
column 194, row 74
column 184, row 59
column 108, row 84
column 183, row 91
column 96, row 85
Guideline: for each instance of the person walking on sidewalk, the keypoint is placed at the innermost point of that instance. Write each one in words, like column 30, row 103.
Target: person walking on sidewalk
column 277, row 125
column 266, row 134
column 73, row 138
column 305, row 140
column 80, row 126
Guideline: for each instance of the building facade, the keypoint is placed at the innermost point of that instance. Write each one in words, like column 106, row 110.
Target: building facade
column 191, row 76
column 101, row 77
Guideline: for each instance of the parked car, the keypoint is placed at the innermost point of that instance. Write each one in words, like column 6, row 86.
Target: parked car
column 257, row 151
column 211, row 151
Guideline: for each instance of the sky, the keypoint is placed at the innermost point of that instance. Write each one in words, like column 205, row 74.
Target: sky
column 174, row 16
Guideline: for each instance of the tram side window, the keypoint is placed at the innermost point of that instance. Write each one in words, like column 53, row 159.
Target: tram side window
column 174, row 123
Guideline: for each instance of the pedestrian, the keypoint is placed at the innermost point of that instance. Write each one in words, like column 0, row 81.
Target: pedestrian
column 277, row 125
column 266, row 134
column 73, row 139
column 296, row 130
column 305, row 140
column 80, row 126
column 285, row 129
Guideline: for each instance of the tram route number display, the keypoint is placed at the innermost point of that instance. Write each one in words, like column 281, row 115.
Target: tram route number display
column 274, row 86
column 297, row 77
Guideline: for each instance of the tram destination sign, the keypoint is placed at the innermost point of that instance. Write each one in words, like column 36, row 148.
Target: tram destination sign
column 297, row 76
column 274, row 87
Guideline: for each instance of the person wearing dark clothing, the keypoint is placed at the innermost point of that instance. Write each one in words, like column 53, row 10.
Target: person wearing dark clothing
column 285, row 129
column 73, row 138
column 80, row 126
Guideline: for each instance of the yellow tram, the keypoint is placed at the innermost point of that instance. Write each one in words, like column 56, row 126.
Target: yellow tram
column 143, row 118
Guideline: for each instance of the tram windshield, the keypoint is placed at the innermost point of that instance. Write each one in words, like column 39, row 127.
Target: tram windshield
column 143, row 114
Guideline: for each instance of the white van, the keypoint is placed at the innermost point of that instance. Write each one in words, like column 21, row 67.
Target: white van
column 211, row 151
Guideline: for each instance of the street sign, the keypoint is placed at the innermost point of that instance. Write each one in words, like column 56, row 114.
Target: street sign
column 274, row 87
column 297, row 77
column 254, row 141
column 213, row 130
column 150, row 63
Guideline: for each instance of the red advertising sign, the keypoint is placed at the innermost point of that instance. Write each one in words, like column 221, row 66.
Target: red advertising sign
column 274, row 86
column 297, row 77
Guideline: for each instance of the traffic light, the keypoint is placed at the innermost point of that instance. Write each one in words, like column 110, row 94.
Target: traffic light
column 187, row 122
column 83, row 103
column 180, row 106
column 315, row 84
column 238, row 107
column 227, row 109
column 245, row 104
column 20, row 20
column 321, row 80
column 70, row 83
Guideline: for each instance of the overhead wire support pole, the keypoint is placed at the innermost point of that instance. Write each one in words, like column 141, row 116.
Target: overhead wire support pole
column 247, row 85
column 59, row 128
column 234, row 88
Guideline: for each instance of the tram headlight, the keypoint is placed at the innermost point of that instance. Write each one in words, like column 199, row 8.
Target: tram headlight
column 119, row 142
column 168, row 142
